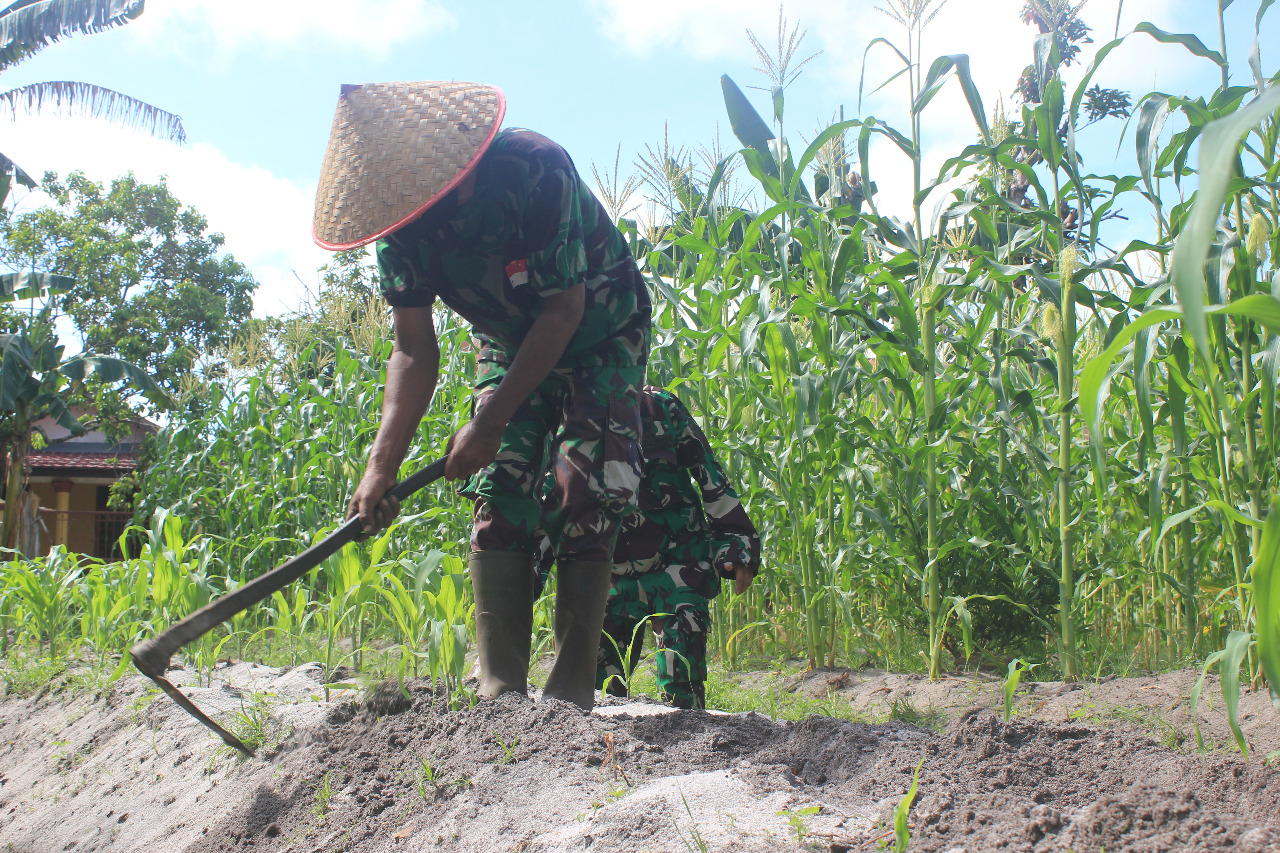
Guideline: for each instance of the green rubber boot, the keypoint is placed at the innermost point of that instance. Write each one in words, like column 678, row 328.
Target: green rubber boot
column 582, row 588
column 502, row 582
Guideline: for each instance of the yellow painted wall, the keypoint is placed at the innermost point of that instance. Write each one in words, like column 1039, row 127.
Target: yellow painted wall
column 79, row 527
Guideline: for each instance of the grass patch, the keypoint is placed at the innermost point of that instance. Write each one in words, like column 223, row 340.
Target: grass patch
column 904, row 710
column 255, row 727
column 775, row 701
column 1145, row 719
column 26, row 676
column 322, row 797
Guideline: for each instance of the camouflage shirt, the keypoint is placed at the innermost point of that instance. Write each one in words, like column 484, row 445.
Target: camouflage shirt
column 687, row 507
column 530, row 229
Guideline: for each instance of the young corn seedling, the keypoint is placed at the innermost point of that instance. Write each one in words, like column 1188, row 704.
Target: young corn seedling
column 1009, row 686
column 796, row 818
column 901, row 813
column 508, row 749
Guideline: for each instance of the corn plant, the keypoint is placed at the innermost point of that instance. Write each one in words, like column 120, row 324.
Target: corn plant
column 447, row 645
column 105, row 621
column 418, row 608
column 1201, row 313
column 46, row 591
column 291, row 618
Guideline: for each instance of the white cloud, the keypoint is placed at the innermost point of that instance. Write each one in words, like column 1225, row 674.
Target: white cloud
column 706, row 28
column 228, row 26
column 266, row 219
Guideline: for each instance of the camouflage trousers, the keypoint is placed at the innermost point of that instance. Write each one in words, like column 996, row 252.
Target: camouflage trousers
column 679, row 619
column 581, row 424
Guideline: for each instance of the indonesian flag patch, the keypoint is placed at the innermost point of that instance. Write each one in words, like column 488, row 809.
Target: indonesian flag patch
column 518, row 272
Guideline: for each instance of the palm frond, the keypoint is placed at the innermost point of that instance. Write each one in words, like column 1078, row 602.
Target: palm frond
column 86, row 99
column 27, row 26
column 7, row 167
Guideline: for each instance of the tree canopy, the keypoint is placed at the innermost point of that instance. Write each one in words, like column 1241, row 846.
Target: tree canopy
column 153, row 285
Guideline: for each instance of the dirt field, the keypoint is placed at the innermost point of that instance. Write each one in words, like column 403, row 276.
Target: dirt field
column 1085, row 769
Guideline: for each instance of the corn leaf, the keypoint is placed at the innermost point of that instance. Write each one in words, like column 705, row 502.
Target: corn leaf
column 837, row 129
column 1266, row 597
column 1237, row 647
column 1226, row 509
column 1262, row 10
column 941, row 69
column 901, row 834
column 1095, row 372
column 747, row 124
column 1217, row 166
column 1048, row 116
column 1153, row 110
column 1190, row 42
column 906, row 62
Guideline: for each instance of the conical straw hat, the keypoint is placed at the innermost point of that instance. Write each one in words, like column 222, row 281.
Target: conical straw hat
column 395, row 149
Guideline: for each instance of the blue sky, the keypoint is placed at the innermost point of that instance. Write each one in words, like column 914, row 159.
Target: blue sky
column 256, row 82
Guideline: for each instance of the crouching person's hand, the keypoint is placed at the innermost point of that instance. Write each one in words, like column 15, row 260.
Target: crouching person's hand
column 742, row 577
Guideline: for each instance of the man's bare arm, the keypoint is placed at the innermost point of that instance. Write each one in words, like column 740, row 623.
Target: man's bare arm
column 412, row 372
column 476, row 444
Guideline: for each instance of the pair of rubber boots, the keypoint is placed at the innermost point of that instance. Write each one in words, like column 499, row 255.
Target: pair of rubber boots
column 502, row 582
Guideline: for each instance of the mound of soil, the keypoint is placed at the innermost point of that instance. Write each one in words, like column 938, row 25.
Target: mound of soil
column 393, row 773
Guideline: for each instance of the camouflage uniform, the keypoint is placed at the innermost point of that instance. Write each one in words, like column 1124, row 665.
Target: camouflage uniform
column 671, row 555
column 532, row 229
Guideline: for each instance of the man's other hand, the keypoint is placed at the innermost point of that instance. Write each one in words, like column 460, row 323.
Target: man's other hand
column 472, row 448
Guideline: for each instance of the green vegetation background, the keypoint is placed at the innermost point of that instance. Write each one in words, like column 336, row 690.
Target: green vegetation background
column 971, row 438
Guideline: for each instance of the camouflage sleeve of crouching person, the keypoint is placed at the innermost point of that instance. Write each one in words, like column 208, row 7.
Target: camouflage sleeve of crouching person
column 734, row 539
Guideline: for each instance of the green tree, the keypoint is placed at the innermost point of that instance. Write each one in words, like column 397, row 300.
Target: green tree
column 38, row 380
column 152, row 284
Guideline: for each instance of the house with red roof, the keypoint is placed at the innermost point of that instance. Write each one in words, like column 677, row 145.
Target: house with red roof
column 71, row 476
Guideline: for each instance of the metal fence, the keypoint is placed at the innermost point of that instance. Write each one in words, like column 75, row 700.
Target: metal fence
column 107, row 525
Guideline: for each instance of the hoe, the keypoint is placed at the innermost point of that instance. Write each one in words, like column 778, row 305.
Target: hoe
column 151, row 657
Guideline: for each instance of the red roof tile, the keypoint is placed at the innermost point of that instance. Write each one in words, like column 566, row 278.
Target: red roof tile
column 60, row 459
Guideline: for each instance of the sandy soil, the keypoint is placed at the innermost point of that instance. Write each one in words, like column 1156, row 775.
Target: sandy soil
column 1077, row 769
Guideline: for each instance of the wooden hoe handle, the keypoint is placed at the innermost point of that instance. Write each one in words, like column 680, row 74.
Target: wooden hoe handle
column 151, row 657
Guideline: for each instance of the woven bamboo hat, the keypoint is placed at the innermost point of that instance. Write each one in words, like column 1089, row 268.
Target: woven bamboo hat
column 394, row 150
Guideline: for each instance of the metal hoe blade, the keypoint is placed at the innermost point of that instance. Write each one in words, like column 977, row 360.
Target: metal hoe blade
column 190, row 707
